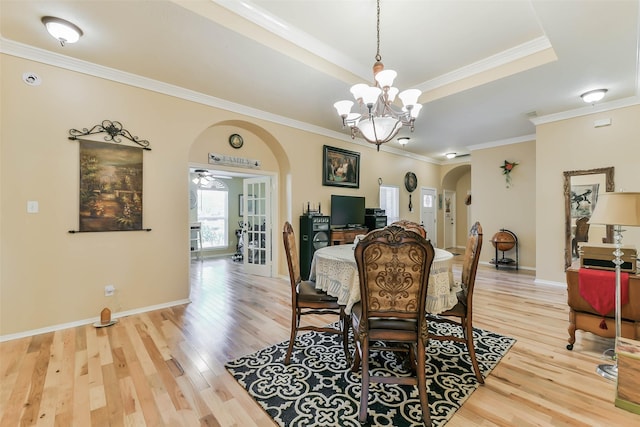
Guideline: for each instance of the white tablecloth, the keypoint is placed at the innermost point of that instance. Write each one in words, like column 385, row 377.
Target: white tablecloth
column 335, row 271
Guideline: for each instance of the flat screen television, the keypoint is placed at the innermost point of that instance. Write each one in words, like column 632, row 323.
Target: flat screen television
column 347, row 211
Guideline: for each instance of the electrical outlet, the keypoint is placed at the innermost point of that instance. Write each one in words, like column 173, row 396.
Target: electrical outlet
column 109, row 290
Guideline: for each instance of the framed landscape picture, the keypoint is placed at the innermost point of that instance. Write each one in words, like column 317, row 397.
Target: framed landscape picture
column 340, row 168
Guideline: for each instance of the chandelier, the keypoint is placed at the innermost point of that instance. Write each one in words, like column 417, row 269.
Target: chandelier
column 379, row 121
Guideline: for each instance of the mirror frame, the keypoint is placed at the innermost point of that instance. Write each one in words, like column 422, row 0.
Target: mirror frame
column 608, row 173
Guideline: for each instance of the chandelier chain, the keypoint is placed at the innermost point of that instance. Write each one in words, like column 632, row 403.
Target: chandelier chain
column 378, row 57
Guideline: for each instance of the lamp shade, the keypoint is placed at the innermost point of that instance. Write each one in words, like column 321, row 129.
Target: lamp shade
column 380, row 130
column 617, row 209
column 410, row 96
column 385, row 78
column 343, row 107
column 370, row 95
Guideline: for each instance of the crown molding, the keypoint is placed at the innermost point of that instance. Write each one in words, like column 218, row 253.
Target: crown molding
column 500, row 143
column 505, row 57
column 43, row 56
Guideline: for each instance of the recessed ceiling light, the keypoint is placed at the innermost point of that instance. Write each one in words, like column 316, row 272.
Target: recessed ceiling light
column 450, row 155
column 61, row 30
column 32, row 79
column 593, row 95
column 403, row 140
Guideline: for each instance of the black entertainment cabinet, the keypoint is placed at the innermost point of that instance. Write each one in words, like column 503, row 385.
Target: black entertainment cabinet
column 375, row 218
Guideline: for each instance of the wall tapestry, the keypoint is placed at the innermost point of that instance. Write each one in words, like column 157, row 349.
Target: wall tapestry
column 110, row 187
column 110, row 179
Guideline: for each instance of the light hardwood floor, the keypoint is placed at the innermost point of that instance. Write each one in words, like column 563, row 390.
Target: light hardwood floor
column 167, row 367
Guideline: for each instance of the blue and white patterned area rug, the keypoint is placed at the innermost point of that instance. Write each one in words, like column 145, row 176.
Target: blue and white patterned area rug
column 318, row 388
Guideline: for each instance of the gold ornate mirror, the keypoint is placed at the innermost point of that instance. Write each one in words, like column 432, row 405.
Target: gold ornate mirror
column 581, row 189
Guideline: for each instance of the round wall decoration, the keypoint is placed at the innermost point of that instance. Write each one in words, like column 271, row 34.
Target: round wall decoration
column 410, row 181
column 236, row 141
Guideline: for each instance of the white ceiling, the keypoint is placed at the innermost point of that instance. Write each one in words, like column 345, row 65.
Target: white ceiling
column 485, row 67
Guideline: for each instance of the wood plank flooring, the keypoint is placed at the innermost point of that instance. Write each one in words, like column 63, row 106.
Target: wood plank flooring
column 166, row 367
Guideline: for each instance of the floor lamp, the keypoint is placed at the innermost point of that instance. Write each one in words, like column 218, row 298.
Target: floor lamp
column 617, row 209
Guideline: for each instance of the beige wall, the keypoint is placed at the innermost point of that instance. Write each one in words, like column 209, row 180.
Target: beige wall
column 497, row 207
column 50, row 277
column 576, row 144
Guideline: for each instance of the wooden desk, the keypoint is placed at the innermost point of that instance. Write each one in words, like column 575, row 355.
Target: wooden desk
column 583, row 316
column 346, row 235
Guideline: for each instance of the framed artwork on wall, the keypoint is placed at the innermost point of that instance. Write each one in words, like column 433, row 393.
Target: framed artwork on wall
column 340, row 168
column 583, row 200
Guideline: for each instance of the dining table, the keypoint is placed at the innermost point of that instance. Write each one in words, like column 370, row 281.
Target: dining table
column 334, row 270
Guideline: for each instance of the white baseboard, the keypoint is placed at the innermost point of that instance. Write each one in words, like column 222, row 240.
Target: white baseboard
column 77, row 323
column 550, row 282
column 520, row 267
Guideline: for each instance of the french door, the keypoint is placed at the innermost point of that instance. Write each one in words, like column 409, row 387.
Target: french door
column 256, row 227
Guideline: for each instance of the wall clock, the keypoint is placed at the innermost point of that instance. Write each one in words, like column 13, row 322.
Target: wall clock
column 410, row 181
column 236, row 141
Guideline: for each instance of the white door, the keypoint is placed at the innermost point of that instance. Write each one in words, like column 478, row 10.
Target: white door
column 428, row 213
column 449, row 219
column 257, row 226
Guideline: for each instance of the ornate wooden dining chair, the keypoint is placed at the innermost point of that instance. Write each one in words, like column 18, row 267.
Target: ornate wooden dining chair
column 393, row 267
column 462, row 313
column 581, row 235
column 306, row 299
column 412, row 226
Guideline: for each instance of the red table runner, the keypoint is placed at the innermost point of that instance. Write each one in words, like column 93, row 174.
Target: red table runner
column 598, row 288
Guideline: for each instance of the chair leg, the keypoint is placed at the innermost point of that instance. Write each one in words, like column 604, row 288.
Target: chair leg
column 292, row 339
column 468, row 328
column 422, row 384
column 364, row 391
column 346, row 321
column 355, row 366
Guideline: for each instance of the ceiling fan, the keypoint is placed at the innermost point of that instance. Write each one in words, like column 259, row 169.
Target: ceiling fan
column 203, row 178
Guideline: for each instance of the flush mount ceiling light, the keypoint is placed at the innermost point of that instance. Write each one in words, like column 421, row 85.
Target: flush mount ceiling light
column 403, row 140
column 61, row 30
column 450, row 156
column 378, row 122
column 593, row 95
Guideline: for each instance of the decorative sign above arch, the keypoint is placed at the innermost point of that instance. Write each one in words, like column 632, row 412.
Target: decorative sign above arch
column 240, row 162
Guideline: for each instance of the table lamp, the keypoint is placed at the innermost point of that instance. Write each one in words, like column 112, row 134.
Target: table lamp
column 617, row 209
